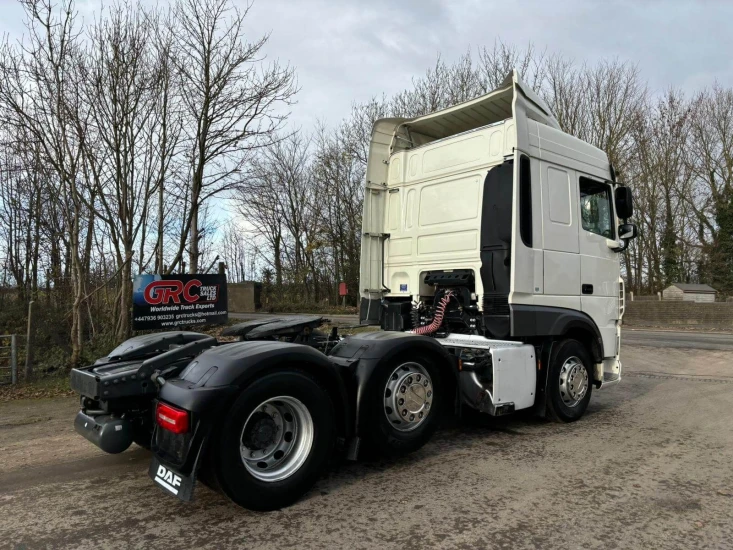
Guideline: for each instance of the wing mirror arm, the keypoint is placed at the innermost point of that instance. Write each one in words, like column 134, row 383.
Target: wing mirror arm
column 626, row 233
column 617, row 246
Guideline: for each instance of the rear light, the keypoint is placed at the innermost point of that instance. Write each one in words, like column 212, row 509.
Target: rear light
column 172, row 419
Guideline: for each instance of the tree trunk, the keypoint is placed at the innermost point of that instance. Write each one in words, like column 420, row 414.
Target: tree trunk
column 161, row 199
column 193, row 247
column 123, row 326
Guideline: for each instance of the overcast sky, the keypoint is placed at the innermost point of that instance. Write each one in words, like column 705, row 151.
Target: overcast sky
column 350, row 50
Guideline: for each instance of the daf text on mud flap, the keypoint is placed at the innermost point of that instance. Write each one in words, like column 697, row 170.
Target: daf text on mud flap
column 167, row 479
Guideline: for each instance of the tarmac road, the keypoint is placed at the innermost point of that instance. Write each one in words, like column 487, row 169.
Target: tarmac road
column 630, row 336
column 676, row 339
column 649, row 466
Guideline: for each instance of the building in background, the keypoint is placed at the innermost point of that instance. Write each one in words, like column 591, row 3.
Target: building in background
column 687, row 292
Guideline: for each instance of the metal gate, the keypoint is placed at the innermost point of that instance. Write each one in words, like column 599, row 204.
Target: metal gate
column 8, row 359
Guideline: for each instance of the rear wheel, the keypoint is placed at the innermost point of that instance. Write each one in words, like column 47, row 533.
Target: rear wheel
column 276, row 441
column 570, row 381
column 403, row 407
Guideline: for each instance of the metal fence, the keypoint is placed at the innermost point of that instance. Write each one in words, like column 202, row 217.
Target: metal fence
column 8, row 359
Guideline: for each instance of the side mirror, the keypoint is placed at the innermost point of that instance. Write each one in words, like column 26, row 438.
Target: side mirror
column 627, row 231
column 624, row 202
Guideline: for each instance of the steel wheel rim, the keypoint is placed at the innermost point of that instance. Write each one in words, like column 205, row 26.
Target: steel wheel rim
column 276, row 438
column 408, row 397
column 573, row 381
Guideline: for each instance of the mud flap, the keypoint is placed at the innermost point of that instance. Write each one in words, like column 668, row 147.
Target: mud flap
column 171, row 480
column 540, row 403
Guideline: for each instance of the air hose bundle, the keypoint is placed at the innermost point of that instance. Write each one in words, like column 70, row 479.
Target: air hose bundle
column 437, row 318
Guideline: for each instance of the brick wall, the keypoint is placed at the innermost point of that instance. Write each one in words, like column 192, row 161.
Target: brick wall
column 675, row 313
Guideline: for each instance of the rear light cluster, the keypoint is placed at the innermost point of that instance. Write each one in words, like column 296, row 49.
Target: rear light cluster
column 171, row 418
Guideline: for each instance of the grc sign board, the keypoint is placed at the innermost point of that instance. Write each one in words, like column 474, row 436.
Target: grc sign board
column 170, row 301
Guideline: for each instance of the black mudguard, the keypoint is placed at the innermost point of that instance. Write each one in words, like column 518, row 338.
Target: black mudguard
column 209, row 384
column 362, row 354
column 540, row 403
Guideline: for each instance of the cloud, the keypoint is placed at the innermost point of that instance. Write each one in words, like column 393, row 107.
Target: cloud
column 350, row 51
column 346, row 51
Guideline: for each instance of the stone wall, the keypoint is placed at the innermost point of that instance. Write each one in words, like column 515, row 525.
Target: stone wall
column 678, row 313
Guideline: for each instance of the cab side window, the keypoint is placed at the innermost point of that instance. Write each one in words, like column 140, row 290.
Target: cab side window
column 595, row 207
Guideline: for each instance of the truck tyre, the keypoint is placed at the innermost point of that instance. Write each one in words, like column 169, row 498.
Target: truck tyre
column 402, row 409
column 275, row 441
column 569, row 382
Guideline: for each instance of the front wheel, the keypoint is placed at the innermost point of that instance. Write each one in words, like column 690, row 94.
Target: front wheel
column 276, row 441
column 570, row 381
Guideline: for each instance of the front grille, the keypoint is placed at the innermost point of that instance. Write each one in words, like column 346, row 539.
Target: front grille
column 496, row 304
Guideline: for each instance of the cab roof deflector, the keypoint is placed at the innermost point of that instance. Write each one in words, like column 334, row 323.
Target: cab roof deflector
column 481, row 111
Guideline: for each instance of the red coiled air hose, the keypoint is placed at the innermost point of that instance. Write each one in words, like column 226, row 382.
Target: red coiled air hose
column 438, row 318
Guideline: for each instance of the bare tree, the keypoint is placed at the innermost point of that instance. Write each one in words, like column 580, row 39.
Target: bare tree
column 232, row 100
column 279, row 196
column 39, row 88
column 121, row 90
column 339, row 172
column 497, row 62
column 711, row 199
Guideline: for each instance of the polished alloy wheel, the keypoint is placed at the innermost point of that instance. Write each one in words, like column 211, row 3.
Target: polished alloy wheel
column 276, row 438
column 573, row 381
column 408, row 396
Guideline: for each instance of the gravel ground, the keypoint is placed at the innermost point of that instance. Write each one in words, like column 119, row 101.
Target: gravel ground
column 649, row 466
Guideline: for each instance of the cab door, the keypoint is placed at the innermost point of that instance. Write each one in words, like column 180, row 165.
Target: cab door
column 599, row 265
column 560, row 236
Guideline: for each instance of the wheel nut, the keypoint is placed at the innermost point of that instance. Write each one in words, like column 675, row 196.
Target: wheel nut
column 252, row 453
column 403, row 389
column 430, row 394
column 419, row 377
column 420, row 415
column 409, row 379
column 425, row 383
column 401, row 401
column 412, row 417
column 404, row 412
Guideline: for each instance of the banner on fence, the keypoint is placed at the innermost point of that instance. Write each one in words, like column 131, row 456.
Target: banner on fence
column 171, row 301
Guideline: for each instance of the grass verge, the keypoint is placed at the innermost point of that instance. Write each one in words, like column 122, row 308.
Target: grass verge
column 52, row 385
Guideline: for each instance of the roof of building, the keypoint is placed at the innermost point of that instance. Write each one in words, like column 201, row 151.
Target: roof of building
column 689, row 287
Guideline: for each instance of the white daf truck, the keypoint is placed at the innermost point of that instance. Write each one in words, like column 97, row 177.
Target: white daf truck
column 490, row 258
column 521, row 224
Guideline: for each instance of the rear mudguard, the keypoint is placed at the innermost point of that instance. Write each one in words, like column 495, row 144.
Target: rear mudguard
column 210, row 383
column 362, row 354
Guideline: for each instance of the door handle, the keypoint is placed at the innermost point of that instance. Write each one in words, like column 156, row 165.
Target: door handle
column 587, row 289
